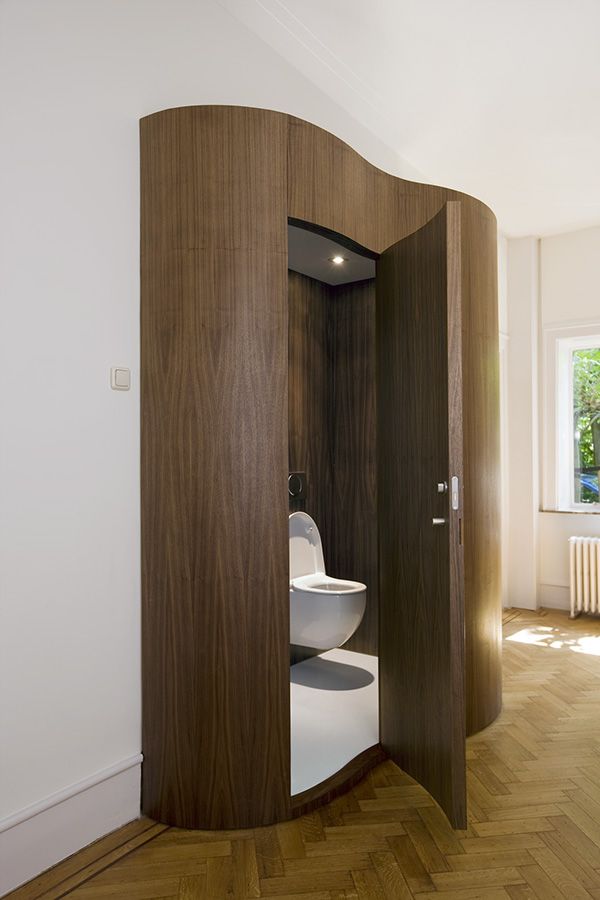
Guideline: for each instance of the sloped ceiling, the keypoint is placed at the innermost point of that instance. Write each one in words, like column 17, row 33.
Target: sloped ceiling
column 498, row 98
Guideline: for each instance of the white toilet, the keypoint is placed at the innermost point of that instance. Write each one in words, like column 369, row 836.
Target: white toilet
column 324, row 611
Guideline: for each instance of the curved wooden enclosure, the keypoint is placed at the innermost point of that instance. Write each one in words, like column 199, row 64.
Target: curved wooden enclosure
column 218, row 185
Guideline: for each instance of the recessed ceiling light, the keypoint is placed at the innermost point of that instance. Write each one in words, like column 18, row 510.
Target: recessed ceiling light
column 338, row 260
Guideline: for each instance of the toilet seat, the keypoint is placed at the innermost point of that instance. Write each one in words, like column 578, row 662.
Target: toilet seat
column 320, row 583
column 307, row 564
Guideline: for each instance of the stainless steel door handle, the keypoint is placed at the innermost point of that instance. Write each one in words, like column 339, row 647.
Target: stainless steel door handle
column 439, row 521
column 455, row 493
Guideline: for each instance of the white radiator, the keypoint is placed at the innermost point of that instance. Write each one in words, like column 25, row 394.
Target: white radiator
column 584, row 557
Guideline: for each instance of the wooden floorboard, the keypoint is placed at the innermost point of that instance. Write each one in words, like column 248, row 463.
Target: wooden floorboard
column 534, row 812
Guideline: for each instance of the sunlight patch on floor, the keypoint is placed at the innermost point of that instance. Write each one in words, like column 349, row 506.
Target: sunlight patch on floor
column 546, row 636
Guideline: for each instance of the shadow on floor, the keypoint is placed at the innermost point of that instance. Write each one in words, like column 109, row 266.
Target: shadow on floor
column 327, row 675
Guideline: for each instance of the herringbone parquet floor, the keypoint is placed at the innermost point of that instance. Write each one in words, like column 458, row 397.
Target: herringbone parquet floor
column 534, row 812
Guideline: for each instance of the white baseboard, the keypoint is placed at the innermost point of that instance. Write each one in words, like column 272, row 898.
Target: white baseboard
column 554, row 596
column 39, row 836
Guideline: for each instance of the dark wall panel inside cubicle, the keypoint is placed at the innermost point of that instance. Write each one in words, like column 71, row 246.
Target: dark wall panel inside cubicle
column 332, row 428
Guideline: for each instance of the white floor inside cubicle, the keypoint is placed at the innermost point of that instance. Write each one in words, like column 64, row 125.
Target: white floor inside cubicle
column 334, row 702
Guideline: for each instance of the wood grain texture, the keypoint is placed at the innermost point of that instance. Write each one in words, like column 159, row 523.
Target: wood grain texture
column 481, row 438
column 331, row 185
column 214, row 463
column 309, row 389
column 81, row 866
column 421, row 603
column 456, row 612
column 353, row 532
column 218, row 184
column 332, row 428
column 388, row 835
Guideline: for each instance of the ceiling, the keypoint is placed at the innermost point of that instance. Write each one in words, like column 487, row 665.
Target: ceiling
column 312, row 254
column 498, row 98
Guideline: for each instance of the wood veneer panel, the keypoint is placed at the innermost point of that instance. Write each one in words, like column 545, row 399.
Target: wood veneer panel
column 309, row 387
column 481, row 435
column 330, row 185
column 456, row 700
column 227, row 166
column 353, row 536
column 332, row 428
column 214, row 178
column 333, row 187
column 419, row 443
column 214, row 461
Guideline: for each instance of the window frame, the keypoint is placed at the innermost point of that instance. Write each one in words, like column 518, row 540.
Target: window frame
column 564, row 432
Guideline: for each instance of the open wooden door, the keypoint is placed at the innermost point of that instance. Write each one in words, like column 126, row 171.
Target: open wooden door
column 419, row 447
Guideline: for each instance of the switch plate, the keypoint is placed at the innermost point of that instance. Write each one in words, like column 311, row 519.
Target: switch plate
column 120, row 378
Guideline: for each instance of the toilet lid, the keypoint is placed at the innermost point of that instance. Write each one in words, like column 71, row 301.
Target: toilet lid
column 306, row 550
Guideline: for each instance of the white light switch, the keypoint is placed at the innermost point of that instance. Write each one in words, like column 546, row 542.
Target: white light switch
column 120, row 378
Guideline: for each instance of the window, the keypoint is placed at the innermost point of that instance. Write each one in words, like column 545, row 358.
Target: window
column 578, row 418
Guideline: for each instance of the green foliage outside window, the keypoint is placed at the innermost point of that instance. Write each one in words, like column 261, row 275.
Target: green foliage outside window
column 586, row 423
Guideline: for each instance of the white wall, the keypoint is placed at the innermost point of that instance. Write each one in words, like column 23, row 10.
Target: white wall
column 569, row 304
column 553, row 290
column 554, row 531
column 75, row 78
column 570, row 276
column 520, row 439
column 504, row 342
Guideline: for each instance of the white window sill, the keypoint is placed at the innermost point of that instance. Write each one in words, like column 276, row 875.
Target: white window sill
column 575, row 512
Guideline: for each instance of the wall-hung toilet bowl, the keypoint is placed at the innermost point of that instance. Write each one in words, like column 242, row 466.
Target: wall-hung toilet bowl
column 324, row 611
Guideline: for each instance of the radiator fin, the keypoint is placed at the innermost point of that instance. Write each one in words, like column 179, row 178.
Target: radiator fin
column 584, row 558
